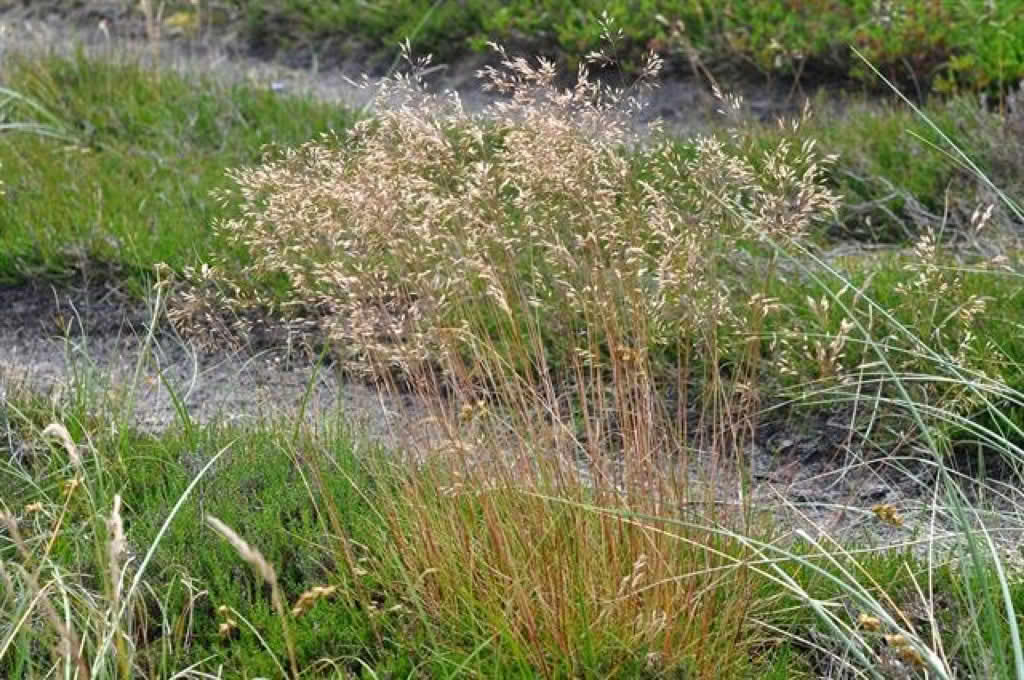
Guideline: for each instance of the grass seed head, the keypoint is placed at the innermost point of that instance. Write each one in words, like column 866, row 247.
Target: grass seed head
column 61, row 432
column 249, row 554
column 309, row 598
column 116, row 546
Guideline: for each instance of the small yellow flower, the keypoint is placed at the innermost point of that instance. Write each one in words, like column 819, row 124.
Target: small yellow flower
column 888, row 514
column 868, row 622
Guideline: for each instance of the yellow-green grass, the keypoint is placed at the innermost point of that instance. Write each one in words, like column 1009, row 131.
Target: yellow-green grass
column 129, row 183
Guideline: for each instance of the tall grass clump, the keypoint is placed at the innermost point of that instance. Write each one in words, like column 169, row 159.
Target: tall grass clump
column 535, row 243
column 581, row 305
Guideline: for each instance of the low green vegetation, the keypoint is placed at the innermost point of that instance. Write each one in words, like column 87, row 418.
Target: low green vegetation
column 919, row 43
column 128, row 181
column 597, row 330
column 383, row 568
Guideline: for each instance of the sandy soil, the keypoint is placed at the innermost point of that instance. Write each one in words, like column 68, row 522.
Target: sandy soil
column 90, row 334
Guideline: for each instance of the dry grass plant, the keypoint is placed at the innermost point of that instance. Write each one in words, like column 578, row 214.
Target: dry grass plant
column 498, row 253
column 545, row 275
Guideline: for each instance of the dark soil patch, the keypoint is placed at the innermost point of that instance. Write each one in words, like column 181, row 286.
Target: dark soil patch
column 78, row 307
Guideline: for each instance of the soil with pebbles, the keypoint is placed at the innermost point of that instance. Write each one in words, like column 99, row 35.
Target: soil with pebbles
column 51, row 335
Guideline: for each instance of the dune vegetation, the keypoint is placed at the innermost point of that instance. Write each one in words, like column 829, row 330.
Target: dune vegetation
column 608, row 327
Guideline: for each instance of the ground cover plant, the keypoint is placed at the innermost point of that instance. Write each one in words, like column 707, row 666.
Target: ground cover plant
column 921, row 44
column 133, row 149
column 600, row 329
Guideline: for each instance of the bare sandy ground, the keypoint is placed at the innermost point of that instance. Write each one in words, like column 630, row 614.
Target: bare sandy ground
column 89, row 335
